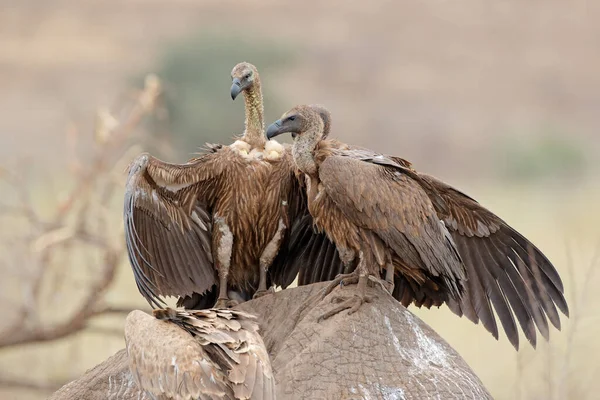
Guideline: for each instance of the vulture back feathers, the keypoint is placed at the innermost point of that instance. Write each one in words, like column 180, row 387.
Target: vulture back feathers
column 204, row 354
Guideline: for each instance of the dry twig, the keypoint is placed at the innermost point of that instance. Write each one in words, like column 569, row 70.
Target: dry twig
column 80, row 220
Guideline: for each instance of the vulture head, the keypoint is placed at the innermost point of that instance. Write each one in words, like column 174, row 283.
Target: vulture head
column 307, row 127
column 243, row 77
column 304, row 122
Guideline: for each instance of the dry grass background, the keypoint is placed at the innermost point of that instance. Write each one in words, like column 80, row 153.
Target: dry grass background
column 454, row 86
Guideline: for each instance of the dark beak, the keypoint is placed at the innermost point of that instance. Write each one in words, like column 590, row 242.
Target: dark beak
column 236, row 88
column 273, row 129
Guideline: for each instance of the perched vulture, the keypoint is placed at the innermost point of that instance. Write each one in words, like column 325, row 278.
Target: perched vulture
column 203, row 354
column 218, row 222
column 444, row 247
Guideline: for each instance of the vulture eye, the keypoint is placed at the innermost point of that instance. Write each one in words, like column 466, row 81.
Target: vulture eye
column 293, row 117
column 247, row 76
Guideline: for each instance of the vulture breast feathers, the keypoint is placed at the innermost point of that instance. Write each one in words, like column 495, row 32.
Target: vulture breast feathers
column 506, row 275
column 203, row 354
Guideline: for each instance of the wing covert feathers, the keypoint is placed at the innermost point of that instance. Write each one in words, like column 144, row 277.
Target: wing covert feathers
column 167, row 228
column 203, row 354
column 391, row 205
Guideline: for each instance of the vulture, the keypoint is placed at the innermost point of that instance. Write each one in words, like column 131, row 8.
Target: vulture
column 431, row 243
column 218, row 223
column 202, row 354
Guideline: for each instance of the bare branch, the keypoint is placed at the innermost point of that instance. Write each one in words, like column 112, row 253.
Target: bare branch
column 81, row 219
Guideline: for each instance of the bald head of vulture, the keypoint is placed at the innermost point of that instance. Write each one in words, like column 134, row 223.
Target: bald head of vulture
column 307, row 120
column 245, row 79
column 307, row 128
column 499, row 273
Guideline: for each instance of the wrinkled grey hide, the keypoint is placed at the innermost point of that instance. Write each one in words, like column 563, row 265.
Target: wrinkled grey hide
column 381, row 352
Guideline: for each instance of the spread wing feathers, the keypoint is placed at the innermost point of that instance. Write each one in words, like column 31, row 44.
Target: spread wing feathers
column 204, row 354
column 506, row 272
column 304, row 252
column 167, row 227
column 393, row 206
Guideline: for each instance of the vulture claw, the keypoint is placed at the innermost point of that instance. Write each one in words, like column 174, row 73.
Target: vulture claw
column 352, row 304
column 341, row 280
column 261, row 293
column 226, row 303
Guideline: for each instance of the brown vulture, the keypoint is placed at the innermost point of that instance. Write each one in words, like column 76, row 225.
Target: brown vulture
column 203, row 354
column 439, row 245
column 218, row 222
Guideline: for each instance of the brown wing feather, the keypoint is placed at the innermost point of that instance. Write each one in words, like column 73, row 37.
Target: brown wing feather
column 505, row 271
column 502, row 266
column 204, row 354
column 167, row 227
column 393, row 206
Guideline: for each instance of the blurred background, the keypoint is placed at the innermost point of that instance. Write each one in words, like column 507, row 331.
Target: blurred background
column 501, row 99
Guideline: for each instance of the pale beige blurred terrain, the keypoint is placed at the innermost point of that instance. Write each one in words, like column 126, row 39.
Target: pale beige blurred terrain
column 501, row 99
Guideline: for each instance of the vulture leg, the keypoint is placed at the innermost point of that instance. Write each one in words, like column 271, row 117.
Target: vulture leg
column 266, row 259
column 389, row 277
column 224, row 301
column 262, row 284
column 223, row 242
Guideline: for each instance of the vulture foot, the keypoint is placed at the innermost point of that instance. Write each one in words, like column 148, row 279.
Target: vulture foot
column 345, row 302
column 261, row 293
column 226, row 303
column 340, row 280
column 352, row 304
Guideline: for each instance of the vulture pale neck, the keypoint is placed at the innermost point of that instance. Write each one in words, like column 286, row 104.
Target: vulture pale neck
column 305, row 144
column 254, row 134
column 326, row 117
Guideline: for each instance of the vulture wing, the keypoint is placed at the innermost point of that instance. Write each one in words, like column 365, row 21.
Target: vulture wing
column 205, row 354
column 505, row 270
column 168, row 228
column 304, row 252
column 392, row 205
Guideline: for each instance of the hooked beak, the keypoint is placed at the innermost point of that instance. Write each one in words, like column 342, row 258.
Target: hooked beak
column 236, row 88
column 273, row 129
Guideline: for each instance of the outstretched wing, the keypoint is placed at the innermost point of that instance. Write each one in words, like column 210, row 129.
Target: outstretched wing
column 167, row 226
column 386, row 201
column 506, row 272
column 204, row 354
column 304, row 252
